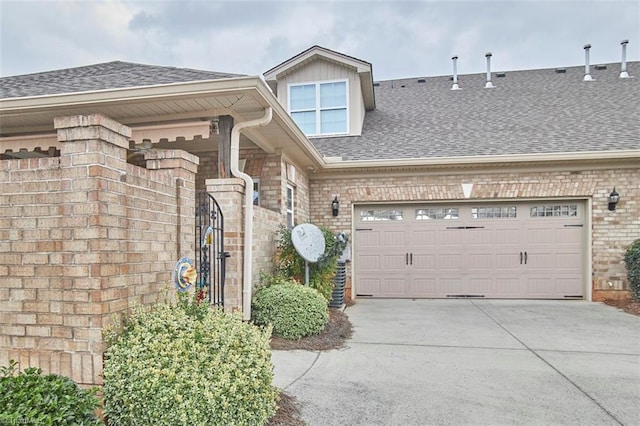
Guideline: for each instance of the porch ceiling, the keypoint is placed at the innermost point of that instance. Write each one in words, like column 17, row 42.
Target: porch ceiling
column 243, row 98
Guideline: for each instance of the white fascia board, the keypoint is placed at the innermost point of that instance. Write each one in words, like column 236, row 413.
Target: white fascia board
column 358, row 65
column 172, row 90
column 334, row 163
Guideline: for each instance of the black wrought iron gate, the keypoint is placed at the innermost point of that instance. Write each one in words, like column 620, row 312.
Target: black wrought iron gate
column 210, row 254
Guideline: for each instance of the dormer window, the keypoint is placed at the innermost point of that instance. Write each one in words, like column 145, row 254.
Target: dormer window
column 320, row 109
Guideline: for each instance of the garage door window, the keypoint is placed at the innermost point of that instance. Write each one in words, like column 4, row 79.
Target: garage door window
column 381, row 215
column 493, row 212
column 436, row 213
column 565, row 210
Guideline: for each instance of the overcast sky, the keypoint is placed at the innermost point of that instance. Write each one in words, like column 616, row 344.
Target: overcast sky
column 399, row 38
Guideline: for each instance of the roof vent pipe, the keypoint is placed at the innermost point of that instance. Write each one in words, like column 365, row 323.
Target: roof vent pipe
column 587, row 72
column 455, row 73
column 623, row 66
column 489, row 85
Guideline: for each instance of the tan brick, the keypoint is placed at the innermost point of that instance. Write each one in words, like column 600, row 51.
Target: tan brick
column 50, row 319
column 42, row 331
column 22, row 295
column 25, row 319
column 61, row 332
column 13, row 330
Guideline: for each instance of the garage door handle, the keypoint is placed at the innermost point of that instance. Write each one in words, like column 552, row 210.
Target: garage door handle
column 521, row 258
column 525, row 257
column 406, row 258
column 411, row 259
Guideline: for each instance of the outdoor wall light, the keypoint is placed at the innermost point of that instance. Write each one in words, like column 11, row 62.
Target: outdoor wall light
column 335, row 205
column 614, row 197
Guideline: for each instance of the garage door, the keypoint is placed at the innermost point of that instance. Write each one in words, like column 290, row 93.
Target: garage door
column 493, row 250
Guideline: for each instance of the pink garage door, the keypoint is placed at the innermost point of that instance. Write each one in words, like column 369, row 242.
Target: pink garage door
column 493, row 250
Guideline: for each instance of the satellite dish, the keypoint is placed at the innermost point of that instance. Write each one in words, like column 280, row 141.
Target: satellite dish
column 308, row 240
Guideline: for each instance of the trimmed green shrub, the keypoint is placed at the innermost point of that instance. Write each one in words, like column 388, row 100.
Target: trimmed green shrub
column 293, row 309
column 187, row 363
column 290, row 264
column 34, row 398
column 632, row 262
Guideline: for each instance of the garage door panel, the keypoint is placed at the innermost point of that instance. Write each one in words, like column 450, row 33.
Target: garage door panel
column 393, row 287
column 478, row 286
column 479, row 249
column 477, row 237
column 569, row 236
column 507, row 261
column 542, row 287
column 480, row 261
column 392, row 262
column 393, row 239
column 540, row 261
column 369, row 285
column 507, row 287
column 449, row 261
column 569, row 286
column 449, row 285
column 425, row 262
column 368, row 263
column 422, row 287
column 422, row 238
column 449, row 237
column 568, row 261
column 511, row 236
column 369, row 239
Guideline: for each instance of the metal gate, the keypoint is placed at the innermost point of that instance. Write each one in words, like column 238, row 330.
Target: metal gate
column 210, row 254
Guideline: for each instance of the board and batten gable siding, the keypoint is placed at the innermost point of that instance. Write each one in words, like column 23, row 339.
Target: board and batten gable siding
column 321, row 70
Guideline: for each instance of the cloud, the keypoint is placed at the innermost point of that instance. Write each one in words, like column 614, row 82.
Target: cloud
column 400, row 38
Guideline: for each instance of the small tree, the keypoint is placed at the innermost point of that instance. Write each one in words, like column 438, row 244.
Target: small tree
column 632, row 262
column 289, row 264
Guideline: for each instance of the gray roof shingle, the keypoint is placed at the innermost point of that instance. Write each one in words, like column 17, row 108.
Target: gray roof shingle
column 109, row 75
column 534, row 111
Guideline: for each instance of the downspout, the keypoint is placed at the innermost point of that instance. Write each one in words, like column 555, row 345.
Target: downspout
column 248, row 206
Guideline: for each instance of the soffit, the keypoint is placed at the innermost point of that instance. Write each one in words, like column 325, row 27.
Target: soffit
column 168, row 106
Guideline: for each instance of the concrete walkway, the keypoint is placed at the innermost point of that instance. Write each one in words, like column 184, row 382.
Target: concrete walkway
column 472, row 362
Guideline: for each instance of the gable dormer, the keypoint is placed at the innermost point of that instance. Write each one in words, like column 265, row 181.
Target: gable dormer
column 325, row 92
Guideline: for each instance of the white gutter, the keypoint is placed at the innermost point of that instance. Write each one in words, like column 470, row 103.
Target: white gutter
column 333, row 163
column 248, row 206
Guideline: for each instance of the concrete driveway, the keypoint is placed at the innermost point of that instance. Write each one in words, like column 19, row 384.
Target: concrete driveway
column 476, row 362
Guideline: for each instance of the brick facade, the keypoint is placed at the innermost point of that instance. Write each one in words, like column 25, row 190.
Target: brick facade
column 84, row 236
column 611, row 232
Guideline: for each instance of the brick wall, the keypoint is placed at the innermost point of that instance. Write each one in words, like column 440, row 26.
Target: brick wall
column 612, row 231
column 83, row 236
column 265, row 228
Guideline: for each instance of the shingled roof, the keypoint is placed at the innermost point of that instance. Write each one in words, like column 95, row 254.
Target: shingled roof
column 534, row 111
column 109, row 75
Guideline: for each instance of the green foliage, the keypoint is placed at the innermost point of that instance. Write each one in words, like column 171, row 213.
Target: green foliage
column 289, row 264
column 33, row 398
column 293, row 309
column 187, row 363
column 632, row 261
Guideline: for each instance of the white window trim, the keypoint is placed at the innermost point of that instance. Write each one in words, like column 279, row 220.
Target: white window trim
column 291, row 211
column 318, row 109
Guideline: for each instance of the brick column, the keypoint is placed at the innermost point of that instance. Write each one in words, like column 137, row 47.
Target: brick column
column 183, row 167
column 229, row 193
column 93, row 153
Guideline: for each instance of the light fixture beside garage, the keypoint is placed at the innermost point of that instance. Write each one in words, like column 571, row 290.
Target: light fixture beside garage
column 335, row 205
column 614, row 197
